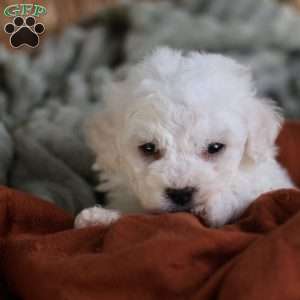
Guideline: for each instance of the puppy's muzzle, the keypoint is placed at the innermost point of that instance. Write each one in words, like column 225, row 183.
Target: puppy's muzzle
column 180, row 197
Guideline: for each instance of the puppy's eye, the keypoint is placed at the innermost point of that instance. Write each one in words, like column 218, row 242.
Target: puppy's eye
column 150, row 150
column 214, row 148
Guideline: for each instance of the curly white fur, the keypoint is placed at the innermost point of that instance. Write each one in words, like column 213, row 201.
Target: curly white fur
column 182, row 103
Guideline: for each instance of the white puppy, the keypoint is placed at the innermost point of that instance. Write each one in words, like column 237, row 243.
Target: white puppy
column 184, row 133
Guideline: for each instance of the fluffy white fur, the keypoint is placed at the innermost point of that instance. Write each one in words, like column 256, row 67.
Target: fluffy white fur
column 182, row 103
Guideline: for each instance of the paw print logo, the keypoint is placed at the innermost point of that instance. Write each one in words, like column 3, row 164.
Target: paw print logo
column 24, row 31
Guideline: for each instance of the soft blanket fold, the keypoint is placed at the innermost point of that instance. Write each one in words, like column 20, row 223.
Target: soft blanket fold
column 168, row 256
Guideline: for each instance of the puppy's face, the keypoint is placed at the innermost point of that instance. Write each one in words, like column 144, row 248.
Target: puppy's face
column 181, row 128
column 176, row 156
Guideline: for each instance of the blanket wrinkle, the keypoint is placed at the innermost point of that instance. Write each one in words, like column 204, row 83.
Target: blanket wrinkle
column 154, row 257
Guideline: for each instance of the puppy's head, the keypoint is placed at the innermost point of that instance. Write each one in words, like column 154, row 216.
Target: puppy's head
column 180, row 129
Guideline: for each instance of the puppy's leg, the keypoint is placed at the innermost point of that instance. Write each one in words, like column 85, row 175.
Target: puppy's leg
column 95, row 216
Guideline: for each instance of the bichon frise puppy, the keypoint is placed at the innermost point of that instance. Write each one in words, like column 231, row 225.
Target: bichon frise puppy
column 184, row 133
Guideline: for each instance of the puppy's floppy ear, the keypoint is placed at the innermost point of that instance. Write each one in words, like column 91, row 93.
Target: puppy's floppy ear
column 100, row 135
column 264, row 122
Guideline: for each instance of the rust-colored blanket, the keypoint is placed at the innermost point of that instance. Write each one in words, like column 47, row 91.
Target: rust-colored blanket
column 169, row 256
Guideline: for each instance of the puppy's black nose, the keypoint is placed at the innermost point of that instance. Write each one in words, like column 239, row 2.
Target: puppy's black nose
column 180, row 197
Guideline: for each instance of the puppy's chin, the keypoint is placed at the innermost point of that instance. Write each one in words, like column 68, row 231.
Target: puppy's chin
column 164, row 205
column 171, row 209
column 155, row 205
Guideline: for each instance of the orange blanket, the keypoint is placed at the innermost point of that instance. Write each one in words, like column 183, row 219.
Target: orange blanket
column 169, row 256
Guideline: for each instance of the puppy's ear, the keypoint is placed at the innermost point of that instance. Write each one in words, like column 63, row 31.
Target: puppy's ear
column 264, row 122
column 100, row 135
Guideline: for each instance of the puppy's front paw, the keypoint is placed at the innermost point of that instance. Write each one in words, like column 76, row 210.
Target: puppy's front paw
column 94, row 216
